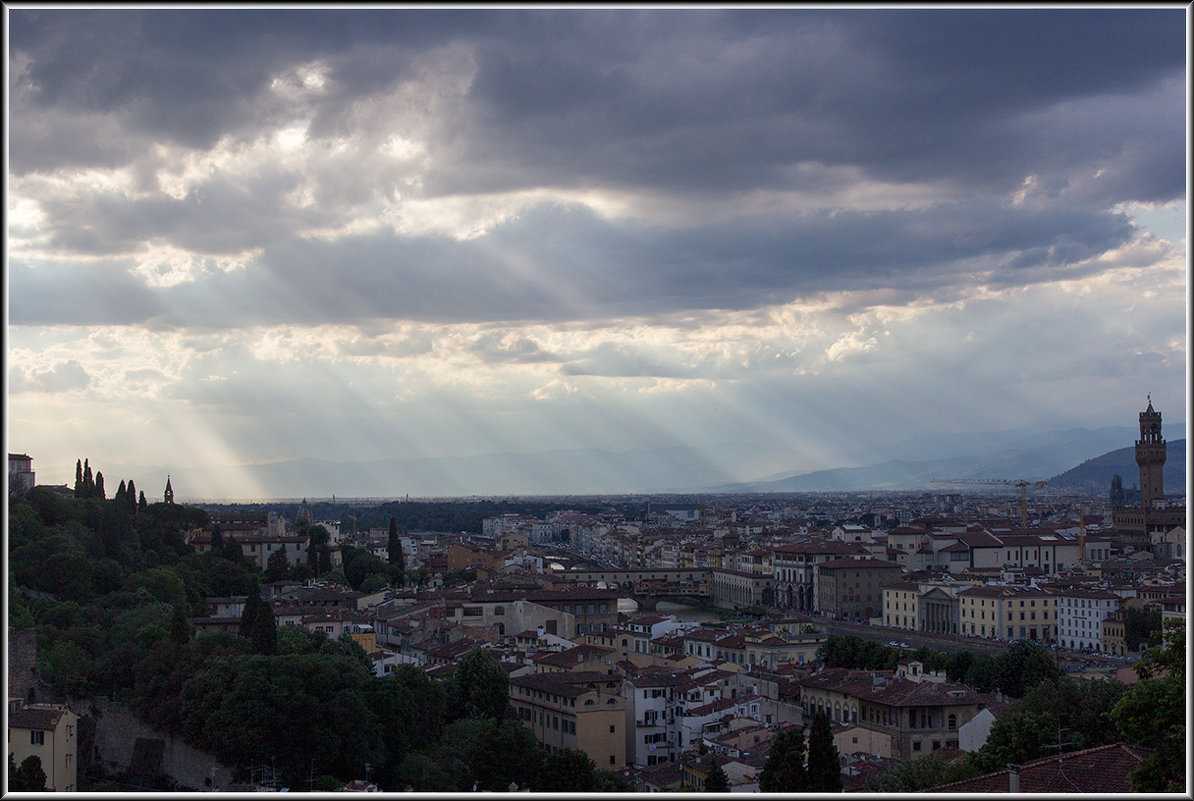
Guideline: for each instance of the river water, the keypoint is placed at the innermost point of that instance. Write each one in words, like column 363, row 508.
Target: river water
column 682, row 612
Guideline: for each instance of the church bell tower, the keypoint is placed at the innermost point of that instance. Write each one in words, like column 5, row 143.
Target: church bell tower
column 1150, row 457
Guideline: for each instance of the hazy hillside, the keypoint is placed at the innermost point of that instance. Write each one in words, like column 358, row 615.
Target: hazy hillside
column 1032, row 456
column 1096, row 474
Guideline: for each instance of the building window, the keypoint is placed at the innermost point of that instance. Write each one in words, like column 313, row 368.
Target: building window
column 37, row 737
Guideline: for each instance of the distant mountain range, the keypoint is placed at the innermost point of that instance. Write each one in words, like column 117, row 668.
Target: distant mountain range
column 910, row 465
column 1043, row 463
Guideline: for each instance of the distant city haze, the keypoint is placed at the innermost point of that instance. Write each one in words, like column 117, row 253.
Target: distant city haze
column 452, row 252
column 1075, row 460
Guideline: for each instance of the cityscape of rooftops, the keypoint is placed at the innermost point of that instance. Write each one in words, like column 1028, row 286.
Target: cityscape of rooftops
column 605, row 400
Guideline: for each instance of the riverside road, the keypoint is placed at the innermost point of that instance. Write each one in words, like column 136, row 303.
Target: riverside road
column 953, row 642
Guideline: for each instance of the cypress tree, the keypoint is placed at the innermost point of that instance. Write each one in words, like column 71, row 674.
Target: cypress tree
column 141, row 504
column 88, row 481
column 257, row 622
column 232, row 550
column 325, row 560
column 717, row 781
column 180, row 631
column 99, row 486
column 248, row 618
column 78, row 478
column 264, row 633
column 217, row 539
column 824, row 765
column 394, row 546
column 784, row 771
column 132, row 496
column 121, row 497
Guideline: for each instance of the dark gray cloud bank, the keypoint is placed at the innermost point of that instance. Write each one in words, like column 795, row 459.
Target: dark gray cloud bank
column 689, row 107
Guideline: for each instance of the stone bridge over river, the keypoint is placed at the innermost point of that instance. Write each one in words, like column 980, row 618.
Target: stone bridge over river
column 728, row 589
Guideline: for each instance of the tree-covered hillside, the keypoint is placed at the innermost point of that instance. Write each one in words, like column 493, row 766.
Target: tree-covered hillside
column 109, row 586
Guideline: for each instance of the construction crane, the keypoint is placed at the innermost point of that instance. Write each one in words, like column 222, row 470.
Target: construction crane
column 1008, row 482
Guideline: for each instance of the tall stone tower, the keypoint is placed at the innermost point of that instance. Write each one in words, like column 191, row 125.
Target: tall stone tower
column 168, row 495
column 1117, row 492
column 1150, row 457
column 303, row 515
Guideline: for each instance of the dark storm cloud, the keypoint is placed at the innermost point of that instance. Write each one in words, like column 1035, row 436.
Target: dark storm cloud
column 905, row 96
column 664, row 102
column 191, row 76
column 555, row 263
column 218, row 216
column 687, row 99
column 91, row 294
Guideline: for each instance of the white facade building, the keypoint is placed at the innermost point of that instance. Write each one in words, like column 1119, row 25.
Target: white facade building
column 654, row 703
column 20, row 472
column 1080, row 616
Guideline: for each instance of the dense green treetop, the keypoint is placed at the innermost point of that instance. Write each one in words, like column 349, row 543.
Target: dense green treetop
column 1153, row 713
column 1018, row 668
column 110, row 590
column 784, row 771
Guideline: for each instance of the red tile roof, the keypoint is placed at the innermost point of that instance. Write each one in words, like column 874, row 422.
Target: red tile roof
column 1101, row 770
column 35, row 717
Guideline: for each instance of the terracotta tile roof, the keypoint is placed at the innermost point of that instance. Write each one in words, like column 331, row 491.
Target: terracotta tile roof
column 646, row 620
column 657, row 680
column 859, row 563
column 452, row 651
column 665, row 774
column 550, row 683
column 835, row 546
column 1101, row 770
column 711, row 708
column 704, row 635
column 1005, row 591
column 882, row 687
column 35, row 717
column 573, row 656
column 1090, row 593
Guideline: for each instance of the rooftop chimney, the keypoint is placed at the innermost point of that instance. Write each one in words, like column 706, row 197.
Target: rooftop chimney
column 1013, row 778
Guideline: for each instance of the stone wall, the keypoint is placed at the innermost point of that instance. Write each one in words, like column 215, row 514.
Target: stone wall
column 116, row 731
column 22, row 665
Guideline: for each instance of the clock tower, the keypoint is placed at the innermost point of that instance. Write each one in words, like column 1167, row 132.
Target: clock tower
column 1150, row 457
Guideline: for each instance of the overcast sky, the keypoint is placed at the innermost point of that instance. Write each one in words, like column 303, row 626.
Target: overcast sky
column 240, row 237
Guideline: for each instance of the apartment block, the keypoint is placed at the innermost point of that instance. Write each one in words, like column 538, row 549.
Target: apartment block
column 49, row 732
column 583, row 710
column 1008, row 612
column 906, row 712
column 1080, row 617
